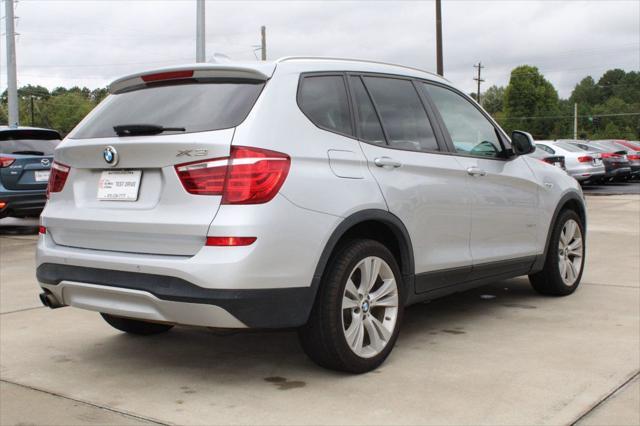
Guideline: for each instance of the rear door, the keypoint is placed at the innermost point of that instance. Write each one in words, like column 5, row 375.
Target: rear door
column 32, row 154
column 505, row 190
column 154, row 212
column 426, row 189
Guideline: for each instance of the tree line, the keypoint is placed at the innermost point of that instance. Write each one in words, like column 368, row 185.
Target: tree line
column 608, row 108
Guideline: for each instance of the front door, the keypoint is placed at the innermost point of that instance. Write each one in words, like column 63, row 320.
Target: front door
column 505, row 193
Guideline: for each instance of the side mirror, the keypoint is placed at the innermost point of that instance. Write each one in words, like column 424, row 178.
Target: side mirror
column 522, row 143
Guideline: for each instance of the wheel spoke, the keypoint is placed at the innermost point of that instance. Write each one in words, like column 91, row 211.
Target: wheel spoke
column 388, row 286
column 563, row 269
column 575, row 248
column 571, row 230
column 375, row 341
column 384, row 333
column 354, row 333
column 348, row 303
column 572, row 273
column 351, row 290
column 371, row 270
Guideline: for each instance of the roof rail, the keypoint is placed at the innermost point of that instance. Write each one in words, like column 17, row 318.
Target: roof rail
column 294, row 58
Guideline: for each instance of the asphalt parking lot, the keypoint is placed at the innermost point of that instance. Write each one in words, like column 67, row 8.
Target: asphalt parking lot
column 500, row 354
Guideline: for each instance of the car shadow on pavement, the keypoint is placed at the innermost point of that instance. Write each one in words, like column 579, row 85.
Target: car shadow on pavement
column 14, row 226
column 197, row 353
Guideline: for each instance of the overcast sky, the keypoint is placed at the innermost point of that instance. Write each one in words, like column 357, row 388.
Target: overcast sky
column 89, row 43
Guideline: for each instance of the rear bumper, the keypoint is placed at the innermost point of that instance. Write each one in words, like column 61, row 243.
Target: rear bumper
column 22, row 203
column 618, row 172
column 174, row 300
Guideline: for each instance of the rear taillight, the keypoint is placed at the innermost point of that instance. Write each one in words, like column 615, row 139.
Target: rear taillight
column 248, row 176
column 610, row 155
column 633, row 157
column 585, row 159
column 57, row 178
column 6, row 161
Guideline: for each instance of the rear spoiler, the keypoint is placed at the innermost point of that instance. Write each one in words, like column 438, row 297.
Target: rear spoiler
column 255, row 72
column 28, row 133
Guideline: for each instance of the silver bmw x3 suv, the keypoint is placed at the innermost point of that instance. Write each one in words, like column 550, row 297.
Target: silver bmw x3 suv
column 315, row 193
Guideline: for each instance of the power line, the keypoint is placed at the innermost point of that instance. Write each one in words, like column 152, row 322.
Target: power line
column 571, row 116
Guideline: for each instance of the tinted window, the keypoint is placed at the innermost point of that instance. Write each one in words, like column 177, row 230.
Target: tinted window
column 403, row 116
column 368, row 123
column 197, row 107
column 568, row 147
column 469, row 129
column 28, row 141
column 545, row 148
column 324, row 100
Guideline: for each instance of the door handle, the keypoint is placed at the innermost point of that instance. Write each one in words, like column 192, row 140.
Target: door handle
column 476, row 171
column 386, row 162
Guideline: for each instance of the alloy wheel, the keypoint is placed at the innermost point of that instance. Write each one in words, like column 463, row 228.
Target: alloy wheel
column 570, row 252
column 370, row 307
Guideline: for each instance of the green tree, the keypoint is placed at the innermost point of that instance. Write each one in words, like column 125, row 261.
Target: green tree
column 493, row 99
column 586, row 92
column 65, row 110
column 528, row 97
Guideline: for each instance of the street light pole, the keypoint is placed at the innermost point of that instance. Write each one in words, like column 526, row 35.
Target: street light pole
column 200, row 30
column 439, row 38
column 12, row 83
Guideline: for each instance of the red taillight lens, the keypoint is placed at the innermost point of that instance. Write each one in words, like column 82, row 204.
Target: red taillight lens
column 6, row 161
column 609, row 155
column 255, row 175
column 230, row 241
column 203, row 177
column 169, row 75
column 42, row 230
column 633, row 157
column 57, row 178
column 585, row 159
column 248, row 176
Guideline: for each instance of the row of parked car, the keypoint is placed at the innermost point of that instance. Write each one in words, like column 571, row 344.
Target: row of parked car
column 598, row 161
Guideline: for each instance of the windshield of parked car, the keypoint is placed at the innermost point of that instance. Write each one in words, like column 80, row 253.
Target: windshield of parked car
column 194, row 107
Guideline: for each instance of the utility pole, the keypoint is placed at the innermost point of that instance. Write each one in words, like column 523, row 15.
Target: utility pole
column 12, row 84
column 263, row 43
column 478, row 79
column 200, row 30
column 439, row 38
column 31, row 110
column 575, row 121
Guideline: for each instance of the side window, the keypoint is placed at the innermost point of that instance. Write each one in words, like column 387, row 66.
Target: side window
column 545, row 148
column 323, row 99
column 403, row 116
column 368, row 123
column 470, row 131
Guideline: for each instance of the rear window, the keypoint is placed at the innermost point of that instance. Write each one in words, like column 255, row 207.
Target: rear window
column 568, row 147
column 28, row 141
column 196, row 107
column 323, row 99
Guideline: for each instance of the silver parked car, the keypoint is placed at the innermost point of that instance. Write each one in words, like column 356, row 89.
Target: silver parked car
column 321, row 194
column 581, row 165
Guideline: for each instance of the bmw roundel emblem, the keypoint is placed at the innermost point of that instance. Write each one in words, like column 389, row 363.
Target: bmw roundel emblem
column 110, row 156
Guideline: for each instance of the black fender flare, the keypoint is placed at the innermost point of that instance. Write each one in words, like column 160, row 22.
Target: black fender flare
column 383, row 216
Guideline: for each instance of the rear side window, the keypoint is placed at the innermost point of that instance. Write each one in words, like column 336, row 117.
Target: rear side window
column 368, row 123
column 196, row 107
column 28, row 141
column 323, row 99
column 403, row 116
column 545, row 148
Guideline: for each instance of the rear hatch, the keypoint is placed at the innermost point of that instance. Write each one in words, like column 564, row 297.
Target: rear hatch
column 26, row 155
column 123, row 192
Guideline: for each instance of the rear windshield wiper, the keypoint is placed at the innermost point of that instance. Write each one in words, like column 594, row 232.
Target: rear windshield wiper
column 144, row 129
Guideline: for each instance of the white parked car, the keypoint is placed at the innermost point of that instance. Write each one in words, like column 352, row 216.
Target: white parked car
column 583, row 166
column 322, row 194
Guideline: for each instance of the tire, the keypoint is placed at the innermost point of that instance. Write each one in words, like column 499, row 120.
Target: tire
column 340, row 309
column 549, row 281
column 131, row 326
